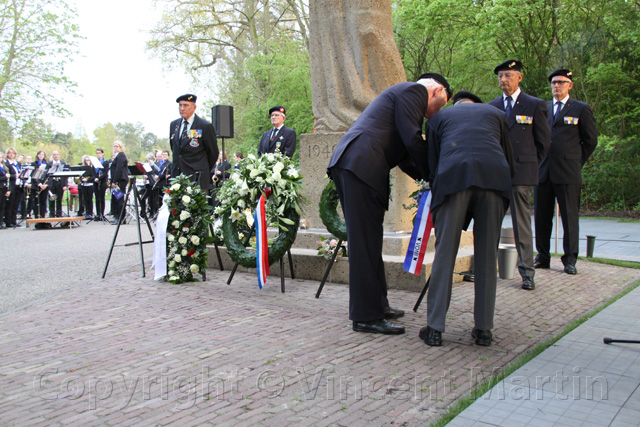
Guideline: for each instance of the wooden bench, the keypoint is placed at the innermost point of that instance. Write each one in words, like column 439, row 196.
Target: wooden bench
column 57, row 221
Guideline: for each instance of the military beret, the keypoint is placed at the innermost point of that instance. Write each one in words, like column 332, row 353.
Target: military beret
column 561, row 72
column 510, row 64
column 278, row 108
column 187, row 97
column 463, row 94
column 440, row 79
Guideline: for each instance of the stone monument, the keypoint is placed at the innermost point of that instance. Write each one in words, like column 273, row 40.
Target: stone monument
column 353, row 59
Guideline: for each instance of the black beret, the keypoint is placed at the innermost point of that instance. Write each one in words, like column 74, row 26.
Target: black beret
column 463, row 94
column 278, row 108
column 440, row 79
column 510, row 64
column 561, row 72
column 187, row 97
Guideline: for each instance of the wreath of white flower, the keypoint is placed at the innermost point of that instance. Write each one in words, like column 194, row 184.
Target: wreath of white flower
column 189, row 220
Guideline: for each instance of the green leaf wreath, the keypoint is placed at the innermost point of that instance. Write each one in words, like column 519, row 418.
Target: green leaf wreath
column 186, row 231
column 238, row 197
column 328, row 209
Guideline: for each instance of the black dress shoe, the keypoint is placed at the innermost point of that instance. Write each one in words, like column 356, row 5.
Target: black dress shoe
column 392, row 313
column 482, row 337
column 431, row 337
column 538, row 263
column 570, row 269
column 378, row 327
column 528, row 283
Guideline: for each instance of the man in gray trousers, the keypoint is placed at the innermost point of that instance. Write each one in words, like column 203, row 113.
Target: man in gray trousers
column 470, row 170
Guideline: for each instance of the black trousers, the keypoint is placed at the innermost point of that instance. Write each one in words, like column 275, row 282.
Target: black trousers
column 99, row 188
column 11, row 210
column 364, row 211
column 568, row 196
column 118, row 204
column 55, row 207
column 87, row 198
column 3, row 202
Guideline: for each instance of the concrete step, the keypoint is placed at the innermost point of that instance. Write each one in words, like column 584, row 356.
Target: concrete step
column 309, row 266
column 393, row 244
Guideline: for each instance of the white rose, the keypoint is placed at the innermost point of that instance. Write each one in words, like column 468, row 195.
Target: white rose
column 171, row 237
column 241, row 204
column 182, row 240
column 195, row 240
column 186, row 199
column 184, row 252
column 173, row 278
column 176, row 224
column 282, row 183
column 177, row 258
column 184, row 215
column 251, row 157
column 278, row 167
column 172, row 264
column 194, row 268
column 276, row 176
column 175, row 187
column 185, row 229
column 254, row 173
column 189, row 190
column 293, row 172
column 171, row 273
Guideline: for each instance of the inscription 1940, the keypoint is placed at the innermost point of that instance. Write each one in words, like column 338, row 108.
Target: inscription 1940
column 320, row 150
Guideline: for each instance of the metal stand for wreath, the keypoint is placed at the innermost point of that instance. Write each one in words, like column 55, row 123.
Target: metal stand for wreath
column 329, row 267
column 215, row 245
column 246, row 242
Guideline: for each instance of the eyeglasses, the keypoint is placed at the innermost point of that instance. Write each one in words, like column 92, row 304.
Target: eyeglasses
column 560, row 82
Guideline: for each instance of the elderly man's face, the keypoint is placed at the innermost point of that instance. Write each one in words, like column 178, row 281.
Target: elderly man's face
column 277, row 119
column 509, row 81
column 437, row 100
column 186, row 109
column 56, row 156
column 560, row 86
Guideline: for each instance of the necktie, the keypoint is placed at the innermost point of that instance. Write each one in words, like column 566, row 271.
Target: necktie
column 183, row 135
column 273, row 134
column 558, row 108
column 507, row 108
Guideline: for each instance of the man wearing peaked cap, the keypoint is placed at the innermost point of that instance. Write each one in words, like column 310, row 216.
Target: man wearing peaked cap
column 279, row 137
column 193, row 142
column 573, row 140
column 529, row 135
column 387, row 134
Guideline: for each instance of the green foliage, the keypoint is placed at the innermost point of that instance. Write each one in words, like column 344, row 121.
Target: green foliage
column 38, row 38
column 611, row 178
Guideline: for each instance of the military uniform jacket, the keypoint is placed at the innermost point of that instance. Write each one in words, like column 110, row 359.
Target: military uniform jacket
column 387, row 134
column 197, row 153
column 529, row 134
column 284, row 141
column 573, row 140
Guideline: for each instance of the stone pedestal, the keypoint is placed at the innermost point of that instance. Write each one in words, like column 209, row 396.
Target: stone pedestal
column 315, row 152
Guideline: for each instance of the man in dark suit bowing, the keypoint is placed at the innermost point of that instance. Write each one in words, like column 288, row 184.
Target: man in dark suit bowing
column 387, row 134
column 470, row 166
column 529, row 134
column 573, row 139
column 279, row 138
column 193, row 142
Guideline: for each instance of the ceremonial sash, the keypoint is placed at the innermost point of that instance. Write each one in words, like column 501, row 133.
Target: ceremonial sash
column 262, row 244
column 419, row 236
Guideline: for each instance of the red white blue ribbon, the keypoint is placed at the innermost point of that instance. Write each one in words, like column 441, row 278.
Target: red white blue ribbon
column 262, row 244
column 419, row 236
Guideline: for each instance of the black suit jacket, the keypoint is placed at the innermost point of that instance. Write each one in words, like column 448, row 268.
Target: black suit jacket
column 119, row 171
column 469, row 147
column 387, row 134
column 197, row 154
column 50, row 173
column 104, row 172
column 530, row 136
column 284, row 140
column 573, row 139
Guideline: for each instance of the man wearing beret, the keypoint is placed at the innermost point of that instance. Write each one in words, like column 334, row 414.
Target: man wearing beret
column 193, row 142
column 279, row 138
column 573, row 139
column 387, row 134
column 530, row 136
column 471, row 166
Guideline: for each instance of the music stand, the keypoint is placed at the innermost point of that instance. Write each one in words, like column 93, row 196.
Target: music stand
column 83, row 169
column 66, row 175
column 134, row 171
column 25, row 172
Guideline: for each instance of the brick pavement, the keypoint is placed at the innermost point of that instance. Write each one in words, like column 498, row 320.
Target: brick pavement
column 130, row 351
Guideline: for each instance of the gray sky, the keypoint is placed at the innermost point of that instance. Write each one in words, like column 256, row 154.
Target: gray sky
column 117, row 80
